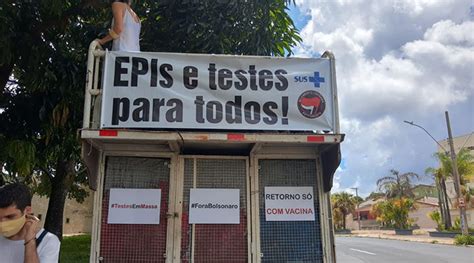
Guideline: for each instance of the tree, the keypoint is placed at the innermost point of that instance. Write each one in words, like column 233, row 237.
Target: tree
column 465, row 162
column 219, row 27
column 342, row 204
column 443, row 200
column 396, row 184
column 358, row 200
column 43, row 52
column 375, row 196
column 394, row 212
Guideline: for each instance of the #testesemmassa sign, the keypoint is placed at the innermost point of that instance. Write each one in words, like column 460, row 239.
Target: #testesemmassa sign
column 134, row 206
column 165, row 90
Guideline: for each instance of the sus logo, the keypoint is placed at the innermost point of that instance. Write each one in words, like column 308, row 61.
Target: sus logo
column 311, row 104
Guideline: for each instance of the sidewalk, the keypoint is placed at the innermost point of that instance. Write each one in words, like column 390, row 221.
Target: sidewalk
column 419, row 235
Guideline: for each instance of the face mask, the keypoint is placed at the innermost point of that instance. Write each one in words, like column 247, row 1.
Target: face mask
column 12, row 227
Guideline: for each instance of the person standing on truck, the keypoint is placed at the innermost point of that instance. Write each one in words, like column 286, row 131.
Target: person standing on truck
column 125, row 31
column 20, row 240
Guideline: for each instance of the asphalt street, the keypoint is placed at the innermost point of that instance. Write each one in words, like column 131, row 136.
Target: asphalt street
column 358, row 249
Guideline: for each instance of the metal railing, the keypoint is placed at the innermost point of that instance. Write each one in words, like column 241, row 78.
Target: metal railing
column 92, row 91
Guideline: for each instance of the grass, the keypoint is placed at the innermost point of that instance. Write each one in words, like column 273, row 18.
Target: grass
column 75, row 249
column 464, row 240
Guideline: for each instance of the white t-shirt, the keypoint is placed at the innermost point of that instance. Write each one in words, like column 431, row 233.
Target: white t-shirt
column 13, row 251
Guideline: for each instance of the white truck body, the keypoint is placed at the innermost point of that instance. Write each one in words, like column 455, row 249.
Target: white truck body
column 278, row 180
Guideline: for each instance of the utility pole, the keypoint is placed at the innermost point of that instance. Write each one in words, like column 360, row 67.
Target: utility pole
column 457, row 180
column 358, row 212
column 447, row 214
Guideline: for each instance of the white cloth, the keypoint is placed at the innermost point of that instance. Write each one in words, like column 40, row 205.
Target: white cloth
column 129, row 38
column 13, row 251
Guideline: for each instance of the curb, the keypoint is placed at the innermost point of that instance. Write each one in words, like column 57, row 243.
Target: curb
column 433, row 241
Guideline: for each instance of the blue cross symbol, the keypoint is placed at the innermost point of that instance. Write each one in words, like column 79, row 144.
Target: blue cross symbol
column 316, row 79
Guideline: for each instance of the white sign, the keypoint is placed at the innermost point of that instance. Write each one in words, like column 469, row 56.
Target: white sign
column 134, row 206
column 214, row 206
column 289, row 204
column 166, row 90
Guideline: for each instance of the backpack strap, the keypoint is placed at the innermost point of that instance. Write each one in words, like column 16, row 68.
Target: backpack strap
column 40, row 238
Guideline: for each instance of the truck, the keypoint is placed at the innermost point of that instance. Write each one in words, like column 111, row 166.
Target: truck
column 210, row 158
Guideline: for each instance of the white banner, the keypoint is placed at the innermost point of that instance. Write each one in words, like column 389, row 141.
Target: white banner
column 289, row 204
column 166, row 90
column 214, row 206
column 134, row 206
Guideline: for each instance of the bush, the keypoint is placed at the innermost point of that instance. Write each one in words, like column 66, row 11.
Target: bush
column 394, row 213
column 464, row 240
column 457, row 223
column 436, row 217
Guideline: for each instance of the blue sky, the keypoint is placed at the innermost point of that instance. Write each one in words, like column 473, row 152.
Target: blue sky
column 396, row 60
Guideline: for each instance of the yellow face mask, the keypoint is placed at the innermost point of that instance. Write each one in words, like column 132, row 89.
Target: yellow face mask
column 12, row 227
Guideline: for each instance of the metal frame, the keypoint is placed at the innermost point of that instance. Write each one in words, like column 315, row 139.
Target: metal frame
column 92, row 79
column 179, row 200
column 174, row 234
column 97, row 213
column 166, row 145
column 332, row 62
column 130, row 135
column 324, row 215
column 98, row 195
column 254, row 175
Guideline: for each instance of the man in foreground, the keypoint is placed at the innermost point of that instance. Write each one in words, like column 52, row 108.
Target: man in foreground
column 20, row 240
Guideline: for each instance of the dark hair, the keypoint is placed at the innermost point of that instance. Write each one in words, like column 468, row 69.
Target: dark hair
column 121, row 1
column 15, row 194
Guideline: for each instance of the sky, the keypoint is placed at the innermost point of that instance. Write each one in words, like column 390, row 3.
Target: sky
column 396, row 60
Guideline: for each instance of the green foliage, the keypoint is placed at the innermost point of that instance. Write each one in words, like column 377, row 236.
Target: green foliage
column 358, row 200
column 394, row 213
column 47, row 43
column 43, row 52
column 220, row 27
column 457, row 224
column 374, row 196
column 342, row 204
column 420, row 191
column 397, row 184
column 465, row 162
column 465, row 240
column 436, row 217
column 75, row 249
column 19, row 157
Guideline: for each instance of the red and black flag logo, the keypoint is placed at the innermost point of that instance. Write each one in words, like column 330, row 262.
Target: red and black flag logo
column 311, row 104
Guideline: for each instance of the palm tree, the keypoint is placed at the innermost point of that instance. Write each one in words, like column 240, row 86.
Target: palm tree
column 396, row 184
column 465, row 162
column 343, row 203
column 443, row 200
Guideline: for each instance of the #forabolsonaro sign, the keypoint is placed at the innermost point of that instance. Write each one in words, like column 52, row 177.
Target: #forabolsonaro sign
column 166, row 90
column 214, row 206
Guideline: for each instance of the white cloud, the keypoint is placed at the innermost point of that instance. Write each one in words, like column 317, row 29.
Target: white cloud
column 449, row 33
column 396, row 60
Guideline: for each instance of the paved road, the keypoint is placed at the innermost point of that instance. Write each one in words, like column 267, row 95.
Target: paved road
column 357, row 250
